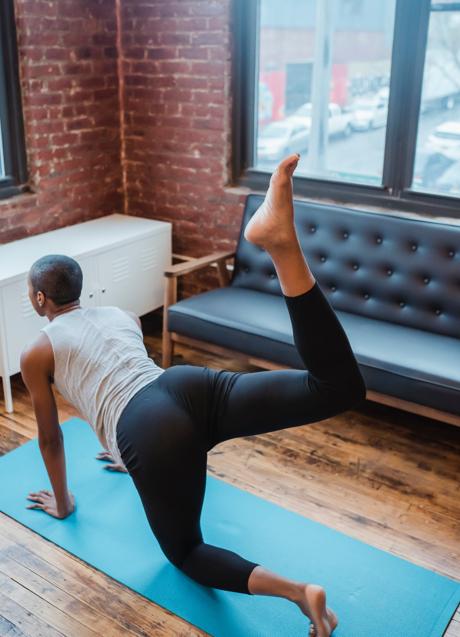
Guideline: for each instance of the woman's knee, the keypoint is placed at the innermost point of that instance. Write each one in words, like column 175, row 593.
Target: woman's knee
column 345, row 390
column 353, row 391
column 176, row 557
column 359, row 387
column 179, row 553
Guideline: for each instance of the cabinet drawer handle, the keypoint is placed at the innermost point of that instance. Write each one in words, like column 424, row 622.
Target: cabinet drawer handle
column 103, row 290
column 91, row 295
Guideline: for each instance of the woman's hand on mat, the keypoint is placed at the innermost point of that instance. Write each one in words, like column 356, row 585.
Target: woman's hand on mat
column 113, row 466
column 46, row 501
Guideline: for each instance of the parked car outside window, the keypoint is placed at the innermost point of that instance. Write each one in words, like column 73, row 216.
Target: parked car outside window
column 339, row 121
column 282, row 138
column 369, row 113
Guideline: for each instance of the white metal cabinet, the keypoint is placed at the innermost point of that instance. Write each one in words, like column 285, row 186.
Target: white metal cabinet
column 122, row 258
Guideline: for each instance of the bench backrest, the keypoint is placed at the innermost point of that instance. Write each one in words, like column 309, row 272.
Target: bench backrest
column 383, row 266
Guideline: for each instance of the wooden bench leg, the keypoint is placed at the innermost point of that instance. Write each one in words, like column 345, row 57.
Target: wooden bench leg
column 167, row 354
column 168, row 349
column 170, row 297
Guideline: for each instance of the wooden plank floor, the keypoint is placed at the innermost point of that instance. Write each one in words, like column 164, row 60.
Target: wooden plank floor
column 383, row 476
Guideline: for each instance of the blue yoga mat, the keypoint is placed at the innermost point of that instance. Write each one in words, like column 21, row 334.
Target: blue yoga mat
column 374, row 593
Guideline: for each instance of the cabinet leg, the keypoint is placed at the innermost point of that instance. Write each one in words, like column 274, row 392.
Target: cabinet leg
column 8, row 394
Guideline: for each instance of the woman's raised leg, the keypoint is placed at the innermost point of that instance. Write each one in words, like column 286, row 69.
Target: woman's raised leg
column 260, row 402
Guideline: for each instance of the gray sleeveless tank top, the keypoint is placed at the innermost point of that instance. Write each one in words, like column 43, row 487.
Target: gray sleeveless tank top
column 100, row 362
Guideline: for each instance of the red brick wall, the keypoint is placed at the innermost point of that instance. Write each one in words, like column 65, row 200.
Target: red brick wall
column 69, row 82
column 176, row 104
column 177, row 101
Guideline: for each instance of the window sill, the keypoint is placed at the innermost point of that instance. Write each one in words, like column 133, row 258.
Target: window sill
column 411, row 206
column 239, row 191
column 16, row 195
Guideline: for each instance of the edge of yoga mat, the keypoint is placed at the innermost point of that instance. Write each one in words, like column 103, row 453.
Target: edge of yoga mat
column 214, row 486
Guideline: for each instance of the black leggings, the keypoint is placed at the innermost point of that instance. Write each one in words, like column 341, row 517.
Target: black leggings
column 167, row 428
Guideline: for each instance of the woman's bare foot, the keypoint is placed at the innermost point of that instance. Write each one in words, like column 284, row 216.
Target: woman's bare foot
column 333, row 622
column 272, row 225
column 312, row 603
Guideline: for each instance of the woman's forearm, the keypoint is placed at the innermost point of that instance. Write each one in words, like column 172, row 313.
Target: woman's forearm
column 54, row 458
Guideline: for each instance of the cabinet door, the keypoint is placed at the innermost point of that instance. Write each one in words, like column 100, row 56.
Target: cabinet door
column 131, row 276
column 21, row 322
column 91, row 289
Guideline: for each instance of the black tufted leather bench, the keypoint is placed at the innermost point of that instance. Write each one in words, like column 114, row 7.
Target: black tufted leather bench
column 394, row 283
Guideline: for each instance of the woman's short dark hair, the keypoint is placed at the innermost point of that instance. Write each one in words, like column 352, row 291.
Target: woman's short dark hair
column 58, row 276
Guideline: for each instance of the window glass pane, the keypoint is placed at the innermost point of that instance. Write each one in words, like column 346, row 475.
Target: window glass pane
column 300, row 94
column 437, row 161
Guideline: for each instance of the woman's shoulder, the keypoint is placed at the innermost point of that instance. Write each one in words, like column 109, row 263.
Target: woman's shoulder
column 107, row 309
column 114, row 313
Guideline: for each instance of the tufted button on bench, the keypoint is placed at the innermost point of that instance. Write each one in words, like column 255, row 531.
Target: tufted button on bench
column 404, row 332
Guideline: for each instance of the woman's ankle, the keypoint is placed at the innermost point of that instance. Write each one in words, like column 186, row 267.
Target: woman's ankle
column 263, row 582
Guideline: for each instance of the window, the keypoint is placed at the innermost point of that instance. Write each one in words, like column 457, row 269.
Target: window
column 437, row 162
column 12, row 156
column 368, row 93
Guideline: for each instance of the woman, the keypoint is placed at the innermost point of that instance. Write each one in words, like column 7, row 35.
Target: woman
column 160, row 424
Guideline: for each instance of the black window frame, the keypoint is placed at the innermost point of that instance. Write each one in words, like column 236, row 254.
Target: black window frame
column 408, row 58
column 11, row 118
